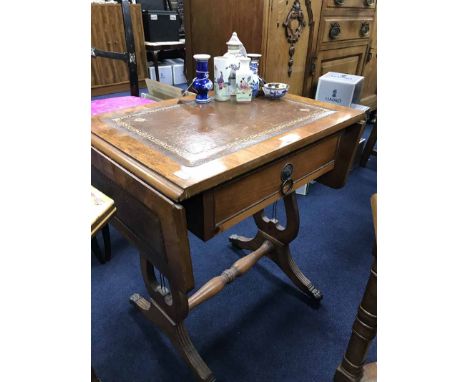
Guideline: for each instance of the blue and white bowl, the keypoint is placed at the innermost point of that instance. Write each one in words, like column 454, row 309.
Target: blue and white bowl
column 275, row 90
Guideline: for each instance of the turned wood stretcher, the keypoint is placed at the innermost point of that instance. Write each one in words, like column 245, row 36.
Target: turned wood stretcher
column 177, row 166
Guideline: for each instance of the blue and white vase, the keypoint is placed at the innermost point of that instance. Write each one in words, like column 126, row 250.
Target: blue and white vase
column 202, row 84
column 254, row 64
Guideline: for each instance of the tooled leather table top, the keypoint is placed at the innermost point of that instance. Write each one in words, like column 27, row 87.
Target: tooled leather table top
column 194, row 134
column 182, row 148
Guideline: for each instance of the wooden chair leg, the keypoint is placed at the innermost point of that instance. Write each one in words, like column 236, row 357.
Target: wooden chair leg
column 107, row 242
column 97, row 250
column 368, row 149
column 107, row 246
column 364, row 331
column 94, row 378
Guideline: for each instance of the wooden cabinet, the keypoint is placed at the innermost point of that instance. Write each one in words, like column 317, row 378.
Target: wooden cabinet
column 339, row 28
column 345, row 60
column 278, row 64
column 362, row 4
column 369, row 92
column 299, row 40
column 107, row 33
column 344, row 44
column 261, row 25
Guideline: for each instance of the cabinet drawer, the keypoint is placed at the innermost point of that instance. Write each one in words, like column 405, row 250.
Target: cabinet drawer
column 226, row 205
column 347, row 60
column 346, row 28
column 364, row 4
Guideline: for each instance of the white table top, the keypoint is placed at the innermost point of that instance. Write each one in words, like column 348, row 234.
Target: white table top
column 163, row 43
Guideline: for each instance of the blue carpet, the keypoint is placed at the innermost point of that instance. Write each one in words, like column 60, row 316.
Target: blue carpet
column 260, row 328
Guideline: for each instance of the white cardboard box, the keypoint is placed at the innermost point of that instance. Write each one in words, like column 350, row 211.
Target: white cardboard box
column 165, row 73
column 304, row 190
column 339, row 88
column 152, row 72
column 178, row 75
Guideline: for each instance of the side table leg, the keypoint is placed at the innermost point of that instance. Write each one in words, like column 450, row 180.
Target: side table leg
column 369, row 146
column 178, row 335
column 156, row 310
column 282, row 257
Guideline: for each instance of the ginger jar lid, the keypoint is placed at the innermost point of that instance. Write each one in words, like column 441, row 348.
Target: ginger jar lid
column 234, row 40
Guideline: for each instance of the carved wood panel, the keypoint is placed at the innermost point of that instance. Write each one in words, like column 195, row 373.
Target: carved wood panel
column 294, row 26
column 289, row 28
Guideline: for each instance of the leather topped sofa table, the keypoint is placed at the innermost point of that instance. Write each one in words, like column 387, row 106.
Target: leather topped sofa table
column 175, row 166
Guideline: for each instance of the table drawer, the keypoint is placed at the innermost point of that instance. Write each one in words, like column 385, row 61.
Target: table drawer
column 363, row 4
column 346, row 28
column 226, row 205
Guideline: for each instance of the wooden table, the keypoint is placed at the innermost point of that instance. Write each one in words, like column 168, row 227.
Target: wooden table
column 176, row 166
column 102, row 209
column 156, row 47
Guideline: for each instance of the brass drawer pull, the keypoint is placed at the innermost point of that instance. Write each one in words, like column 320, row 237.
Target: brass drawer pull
column 335, row 30
column 286, row 178
column 369, row 2
column 364, row 31
column 339, row 2
column 287, row 186
column 286, row 172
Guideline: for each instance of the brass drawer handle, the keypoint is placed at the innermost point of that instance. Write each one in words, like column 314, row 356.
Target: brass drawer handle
column 369, row 2
column 286, row 172
column 335, row 30
column 364, row 31
column 286, row 179
column 339, row 2
column 287, row 186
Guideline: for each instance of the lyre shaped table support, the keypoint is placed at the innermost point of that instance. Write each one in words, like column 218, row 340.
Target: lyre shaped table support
column 279, row 237
column 272, row 240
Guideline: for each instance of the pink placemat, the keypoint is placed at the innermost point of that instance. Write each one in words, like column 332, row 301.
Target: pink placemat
column 106, row 105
